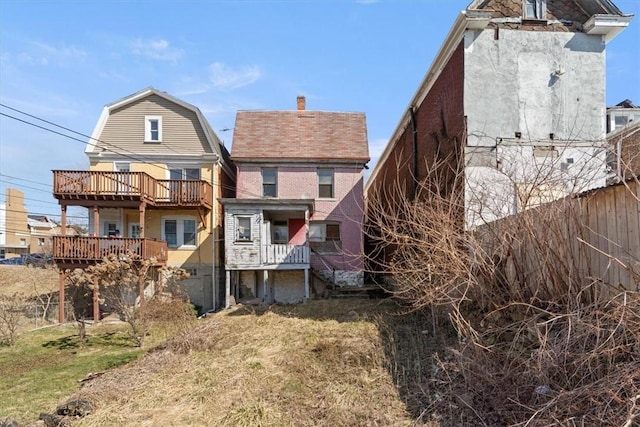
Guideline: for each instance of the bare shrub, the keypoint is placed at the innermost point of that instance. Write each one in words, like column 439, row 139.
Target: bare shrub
column 11, row 316
column 121, row 281
column 546, row 336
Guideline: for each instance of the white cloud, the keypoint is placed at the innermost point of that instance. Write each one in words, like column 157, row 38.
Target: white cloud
column 159, row 50
column 40, row 53
column 225, row 77
column 62, row 51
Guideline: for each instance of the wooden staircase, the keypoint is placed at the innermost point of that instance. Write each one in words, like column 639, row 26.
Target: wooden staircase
column 327, row 287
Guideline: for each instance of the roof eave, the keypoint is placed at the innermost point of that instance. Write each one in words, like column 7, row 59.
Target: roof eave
column 608, row 26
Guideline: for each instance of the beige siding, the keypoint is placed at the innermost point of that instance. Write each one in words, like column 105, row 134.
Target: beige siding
column 181, row 130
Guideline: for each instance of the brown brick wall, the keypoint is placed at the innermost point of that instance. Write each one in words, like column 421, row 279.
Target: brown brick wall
column 440, row 134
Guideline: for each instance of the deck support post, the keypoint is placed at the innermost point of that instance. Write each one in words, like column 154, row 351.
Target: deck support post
column 61, row 317
column 306, row 284
column 63, row 220
column 265, row 284
column 96, row 221
column 142, row 209
column 227, row 292
column 96, row 300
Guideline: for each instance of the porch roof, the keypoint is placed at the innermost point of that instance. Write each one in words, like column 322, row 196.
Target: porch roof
column 281, row 204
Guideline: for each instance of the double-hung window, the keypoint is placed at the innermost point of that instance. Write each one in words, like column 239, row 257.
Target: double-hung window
column 180, row 232
column 153, row 129
column 325, row 183
column 269, row 182
column 534, row 9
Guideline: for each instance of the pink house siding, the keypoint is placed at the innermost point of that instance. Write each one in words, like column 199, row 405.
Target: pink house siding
column 301, row 182
column 324, row 243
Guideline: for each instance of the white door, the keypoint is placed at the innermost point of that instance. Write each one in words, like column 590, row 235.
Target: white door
column 123, row 179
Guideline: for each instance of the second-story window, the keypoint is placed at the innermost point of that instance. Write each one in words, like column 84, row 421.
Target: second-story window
column 153, row 129
column 535, row 9
column 180, row 174
column 269, row 182
column 325, row 183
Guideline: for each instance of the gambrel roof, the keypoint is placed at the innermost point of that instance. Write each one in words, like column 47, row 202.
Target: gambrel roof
column 95, row 145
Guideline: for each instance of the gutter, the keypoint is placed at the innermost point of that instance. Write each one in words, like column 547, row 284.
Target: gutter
column 607, row 25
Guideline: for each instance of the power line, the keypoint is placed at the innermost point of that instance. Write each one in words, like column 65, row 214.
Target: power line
column 119, row 152
column 25, row 186
column 120, row 149
column 26, row 180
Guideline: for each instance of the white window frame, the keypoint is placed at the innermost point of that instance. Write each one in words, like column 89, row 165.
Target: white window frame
column 179, row 219
column 236, row 227
column 333, row 183
column 147, row 128
column 41, row 241
column 540, row 10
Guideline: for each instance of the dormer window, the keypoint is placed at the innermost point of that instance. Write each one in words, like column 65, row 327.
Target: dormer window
column 535, row 9
column 153, row 129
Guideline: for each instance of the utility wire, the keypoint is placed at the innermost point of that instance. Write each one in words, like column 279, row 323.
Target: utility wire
column 119, row 152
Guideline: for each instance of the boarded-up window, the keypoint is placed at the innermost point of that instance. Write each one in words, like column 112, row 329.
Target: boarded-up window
column 325, row 237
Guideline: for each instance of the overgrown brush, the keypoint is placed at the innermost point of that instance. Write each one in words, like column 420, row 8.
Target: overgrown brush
column 547, row 335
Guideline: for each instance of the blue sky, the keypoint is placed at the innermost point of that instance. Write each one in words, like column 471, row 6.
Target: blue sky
column 63, row 60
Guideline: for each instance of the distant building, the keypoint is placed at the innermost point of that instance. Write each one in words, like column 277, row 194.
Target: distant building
column 621, row 115
column 14, row 231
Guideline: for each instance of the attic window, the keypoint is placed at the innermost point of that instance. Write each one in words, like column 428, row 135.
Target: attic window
column 534, row 9
column 153, row 129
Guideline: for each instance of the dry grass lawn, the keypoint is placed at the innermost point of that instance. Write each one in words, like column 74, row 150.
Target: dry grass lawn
column 29, row 281
column 321, row 363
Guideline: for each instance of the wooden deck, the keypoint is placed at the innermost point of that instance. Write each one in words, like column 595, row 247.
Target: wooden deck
column 90, row 250
column 85, row 188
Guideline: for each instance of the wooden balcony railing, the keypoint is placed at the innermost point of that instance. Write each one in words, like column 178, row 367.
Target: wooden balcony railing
column 285, row 254
column 183, row 192
column 100, row 185
column 74, row 184
column 81, row 249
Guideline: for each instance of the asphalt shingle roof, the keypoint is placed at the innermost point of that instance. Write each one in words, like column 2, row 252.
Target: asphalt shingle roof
column 300, row 134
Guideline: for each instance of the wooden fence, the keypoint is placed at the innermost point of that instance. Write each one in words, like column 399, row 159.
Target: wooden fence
column 593, row 238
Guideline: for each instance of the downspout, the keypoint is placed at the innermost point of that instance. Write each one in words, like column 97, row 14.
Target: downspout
column 214, row 237
column 414, row 132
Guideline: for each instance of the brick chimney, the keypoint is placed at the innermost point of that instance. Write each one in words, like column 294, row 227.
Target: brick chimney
column 302, row 103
